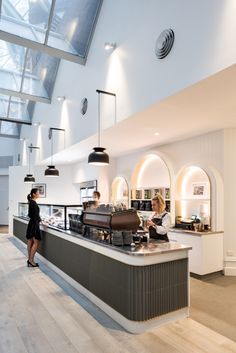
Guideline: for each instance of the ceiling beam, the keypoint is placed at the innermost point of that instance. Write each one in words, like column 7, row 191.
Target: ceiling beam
column 12, row 38
column 17, row 121
column 9, row 92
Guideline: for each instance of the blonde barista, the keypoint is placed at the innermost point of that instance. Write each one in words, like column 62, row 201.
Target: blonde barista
column 159, row 222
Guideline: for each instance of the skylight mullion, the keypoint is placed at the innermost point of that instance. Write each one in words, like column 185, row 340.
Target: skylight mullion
column 23, row 73
column 16, row 121
column 49, row 22
column 9, row 136
column 8, row 108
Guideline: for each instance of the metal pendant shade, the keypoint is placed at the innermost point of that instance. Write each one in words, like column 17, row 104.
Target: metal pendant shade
column 51, row 171
column 98, row 156
column 29, row 178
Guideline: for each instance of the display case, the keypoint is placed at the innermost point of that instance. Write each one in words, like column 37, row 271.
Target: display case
column 53, row 214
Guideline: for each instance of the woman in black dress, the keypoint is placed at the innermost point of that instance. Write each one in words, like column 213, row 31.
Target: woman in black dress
column 33, row 233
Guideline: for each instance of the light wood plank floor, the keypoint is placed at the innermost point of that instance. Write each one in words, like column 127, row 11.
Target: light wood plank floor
column 41, row 315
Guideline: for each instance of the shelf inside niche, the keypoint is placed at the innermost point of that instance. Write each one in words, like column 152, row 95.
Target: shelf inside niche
column 193, row 199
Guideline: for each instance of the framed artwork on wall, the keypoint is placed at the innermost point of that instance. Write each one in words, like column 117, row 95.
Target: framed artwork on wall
column 199, row 190
column 42, row 189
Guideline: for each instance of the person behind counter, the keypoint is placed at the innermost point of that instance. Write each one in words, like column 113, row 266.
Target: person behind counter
column 159, row 222
column 96, row 196
column 33, row 233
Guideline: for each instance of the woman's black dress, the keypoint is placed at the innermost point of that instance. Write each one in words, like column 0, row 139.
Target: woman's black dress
column 33, row 230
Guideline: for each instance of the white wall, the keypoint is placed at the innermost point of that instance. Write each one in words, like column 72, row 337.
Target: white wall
column 153, row 173
column 230, row 192
column 204, row 31
column 4, row 199
column 104, row 175
column 9, row 147
column 205, row 151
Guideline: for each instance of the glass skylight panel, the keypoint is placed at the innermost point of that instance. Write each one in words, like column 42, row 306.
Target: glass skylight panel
column 15, row 108
column 72, row 25
column 4, row 102
column 40, row 74
column 18, row 109
column 29, row 18
column 11, row 65
column 8, row 128
column 27, row 71
column 58, row 27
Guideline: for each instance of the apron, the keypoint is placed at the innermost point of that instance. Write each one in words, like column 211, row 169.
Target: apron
column 152, row 231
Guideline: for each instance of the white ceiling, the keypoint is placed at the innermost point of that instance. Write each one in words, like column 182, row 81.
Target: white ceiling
column 206, row 106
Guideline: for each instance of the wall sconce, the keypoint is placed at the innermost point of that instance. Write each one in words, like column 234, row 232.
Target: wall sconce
column 98, row 156
column 109, row 46
column 61, row 98
column 29, row 177
column 51, row 171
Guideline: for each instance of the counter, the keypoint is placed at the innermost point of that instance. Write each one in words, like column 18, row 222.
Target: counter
column 192, row 232
column 140, row 288
column 206, row 256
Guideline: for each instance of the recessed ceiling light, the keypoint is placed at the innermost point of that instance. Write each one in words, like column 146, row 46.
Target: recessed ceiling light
column 157, row 133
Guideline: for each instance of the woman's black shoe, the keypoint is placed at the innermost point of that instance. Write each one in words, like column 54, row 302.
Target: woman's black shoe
column 32, row 265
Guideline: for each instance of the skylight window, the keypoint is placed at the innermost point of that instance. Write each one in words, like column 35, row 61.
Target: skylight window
column 58, row 27
column 26, row 73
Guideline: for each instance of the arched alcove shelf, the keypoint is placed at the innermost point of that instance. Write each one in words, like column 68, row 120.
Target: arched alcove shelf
column 120, row 191
column 193, row 194
column 150, row 176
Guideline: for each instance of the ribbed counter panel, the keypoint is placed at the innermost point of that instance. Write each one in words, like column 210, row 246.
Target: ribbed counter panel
column 158, row 289
column 138, row 293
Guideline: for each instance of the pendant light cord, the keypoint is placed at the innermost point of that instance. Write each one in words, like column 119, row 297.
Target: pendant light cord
column 115, row 110
column 99, row 122
column 29, row 160
column 52, row 149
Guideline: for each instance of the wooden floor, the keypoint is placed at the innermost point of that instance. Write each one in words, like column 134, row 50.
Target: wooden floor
column 37, row 315
column 3, row 229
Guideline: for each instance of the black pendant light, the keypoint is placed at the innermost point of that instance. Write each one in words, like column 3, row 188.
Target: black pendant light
column 51, row 171
column 29, row 177
column 98, row 156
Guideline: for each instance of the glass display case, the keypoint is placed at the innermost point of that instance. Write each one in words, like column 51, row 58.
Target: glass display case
column 53, row 214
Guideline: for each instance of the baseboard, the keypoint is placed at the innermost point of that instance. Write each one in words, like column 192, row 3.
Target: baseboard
column 230, row 266
column 207, row 275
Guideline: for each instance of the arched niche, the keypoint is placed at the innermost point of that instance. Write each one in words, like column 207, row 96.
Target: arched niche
column 193, row 194
column 120, row 191
column 150, row 176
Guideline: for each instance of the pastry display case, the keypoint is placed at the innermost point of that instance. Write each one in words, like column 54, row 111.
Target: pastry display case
column 54, row 215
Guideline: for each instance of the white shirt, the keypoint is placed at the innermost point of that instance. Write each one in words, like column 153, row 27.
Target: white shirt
column 166, row 222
